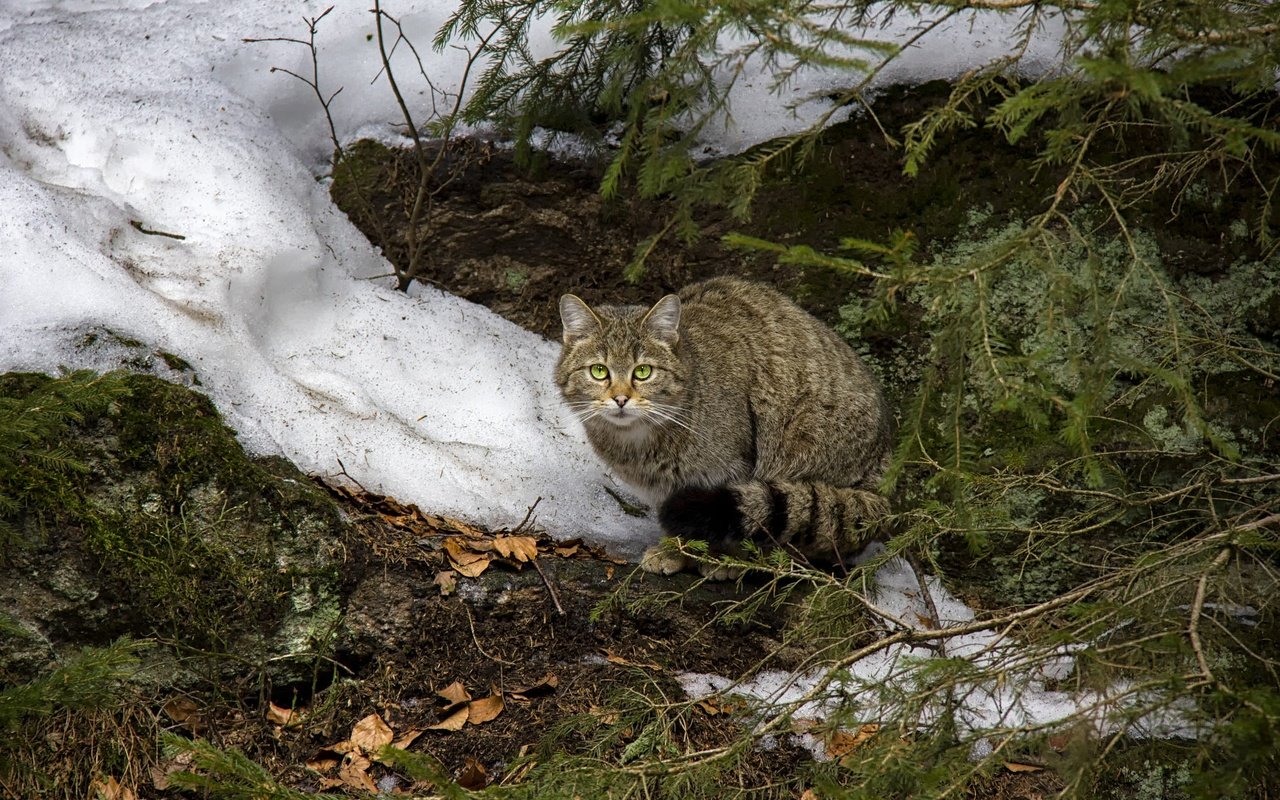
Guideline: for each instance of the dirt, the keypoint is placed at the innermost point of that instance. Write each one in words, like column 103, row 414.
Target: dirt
column 559, row 642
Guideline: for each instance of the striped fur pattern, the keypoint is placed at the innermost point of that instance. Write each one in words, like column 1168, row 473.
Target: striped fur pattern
column 738, row 414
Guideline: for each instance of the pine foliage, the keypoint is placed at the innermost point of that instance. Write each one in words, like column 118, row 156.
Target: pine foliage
column 648, row 78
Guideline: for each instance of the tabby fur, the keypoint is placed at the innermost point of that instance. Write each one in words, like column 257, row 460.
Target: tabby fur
column 754, row 421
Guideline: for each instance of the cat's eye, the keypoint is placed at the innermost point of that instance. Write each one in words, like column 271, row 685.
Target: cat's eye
column 599, row 371
column 642, row 372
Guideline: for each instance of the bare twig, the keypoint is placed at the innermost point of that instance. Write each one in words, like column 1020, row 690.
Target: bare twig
column 137, row 226
column 472, row 624
column 1197, row 606
column 551, row 589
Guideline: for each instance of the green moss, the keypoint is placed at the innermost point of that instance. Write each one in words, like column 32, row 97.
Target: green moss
column 181, row 532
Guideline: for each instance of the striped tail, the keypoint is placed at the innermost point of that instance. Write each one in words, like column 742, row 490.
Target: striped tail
column 818, row 521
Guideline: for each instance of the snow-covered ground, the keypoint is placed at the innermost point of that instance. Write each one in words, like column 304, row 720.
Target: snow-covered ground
column 117, row 115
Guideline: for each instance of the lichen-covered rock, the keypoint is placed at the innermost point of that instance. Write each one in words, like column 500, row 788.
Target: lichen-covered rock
column 131, row 510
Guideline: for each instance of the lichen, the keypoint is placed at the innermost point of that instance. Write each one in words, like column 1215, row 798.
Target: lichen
column 168, row 528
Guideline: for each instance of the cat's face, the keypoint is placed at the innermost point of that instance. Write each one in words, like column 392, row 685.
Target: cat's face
column 619, row 366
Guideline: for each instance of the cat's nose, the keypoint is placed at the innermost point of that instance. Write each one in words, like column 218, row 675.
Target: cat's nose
column 621, row 400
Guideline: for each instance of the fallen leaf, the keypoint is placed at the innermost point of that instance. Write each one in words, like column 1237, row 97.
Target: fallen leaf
column 809, row 794
column 343, row 747
column 546, row 685
column 284, row 717
column 371, row 733
column 454, row 722
column 111, row 789
column 606, row 716
column 614, row 658
column 447, row 581
column 185, row 712
column 462, row 527
column 482, row 710
column 324, row 760
column 463, row 559
column 842, row 742
column 160, row 772
column 407, row 738
column 566, row 551
column 608, row 573
column 455, row 693
column 1014, row 766
column 516, row 548
column 355, row 773
column 518, row 774
column 717, row 705
column 473, row 776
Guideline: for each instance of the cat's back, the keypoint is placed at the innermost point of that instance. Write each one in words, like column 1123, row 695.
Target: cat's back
column 805, row 390
column 735, row 323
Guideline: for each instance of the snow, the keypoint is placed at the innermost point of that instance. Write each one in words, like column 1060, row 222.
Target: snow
column 119, row 116
column 874, row 686
column 123, row 115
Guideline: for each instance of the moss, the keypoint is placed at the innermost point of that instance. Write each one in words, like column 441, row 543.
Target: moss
column 168, row 528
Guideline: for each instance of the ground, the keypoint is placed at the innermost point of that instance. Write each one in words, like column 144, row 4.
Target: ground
column 568, row 639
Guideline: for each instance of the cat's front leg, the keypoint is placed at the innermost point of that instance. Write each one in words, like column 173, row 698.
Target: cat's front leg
column 664, row 558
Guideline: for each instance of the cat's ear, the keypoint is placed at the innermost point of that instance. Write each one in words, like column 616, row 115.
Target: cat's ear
column 578, row 319
column 663, row 320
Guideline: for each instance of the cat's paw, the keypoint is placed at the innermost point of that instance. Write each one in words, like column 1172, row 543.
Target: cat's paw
column 663, row 559
column 719, row 572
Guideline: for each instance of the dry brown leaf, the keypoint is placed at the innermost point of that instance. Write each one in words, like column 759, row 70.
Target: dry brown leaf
column 518, row 774
column 324, row 760
column 614, row 658
column 343, row 747
column 474, row 569
column 809, row 794
column 566, row 551
column 355, row 773
column 447, row 581
column 111, row 789
column 284, row 717
column 161, row 771
column 482, row 710
column 473, row 776
column 371, row 733
column 842, row 742
column 455, row 693
column 462, row 527
column 1014, row 766
column 185, row 712
column 464, row 559
column 517, row 548
column 407, row 738
column 715, row 704
column 454, row 722
column 608, row 572
column 606, row 716
column 546, row 685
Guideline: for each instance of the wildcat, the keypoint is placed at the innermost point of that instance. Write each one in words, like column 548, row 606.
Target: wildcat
column 739, row 414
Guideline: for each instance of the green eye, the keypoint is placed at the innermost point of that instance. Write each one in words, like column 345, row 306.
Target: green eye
column 599, row 371
column 643, row 372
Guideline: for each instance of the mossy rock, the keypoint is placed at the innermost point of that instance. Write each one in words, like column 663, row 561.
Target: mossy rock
column 134, row 511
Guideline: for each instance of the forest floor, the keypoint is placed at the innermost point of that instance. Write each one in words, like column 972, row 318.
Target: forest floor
column 563, row 643
column 494, row 651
